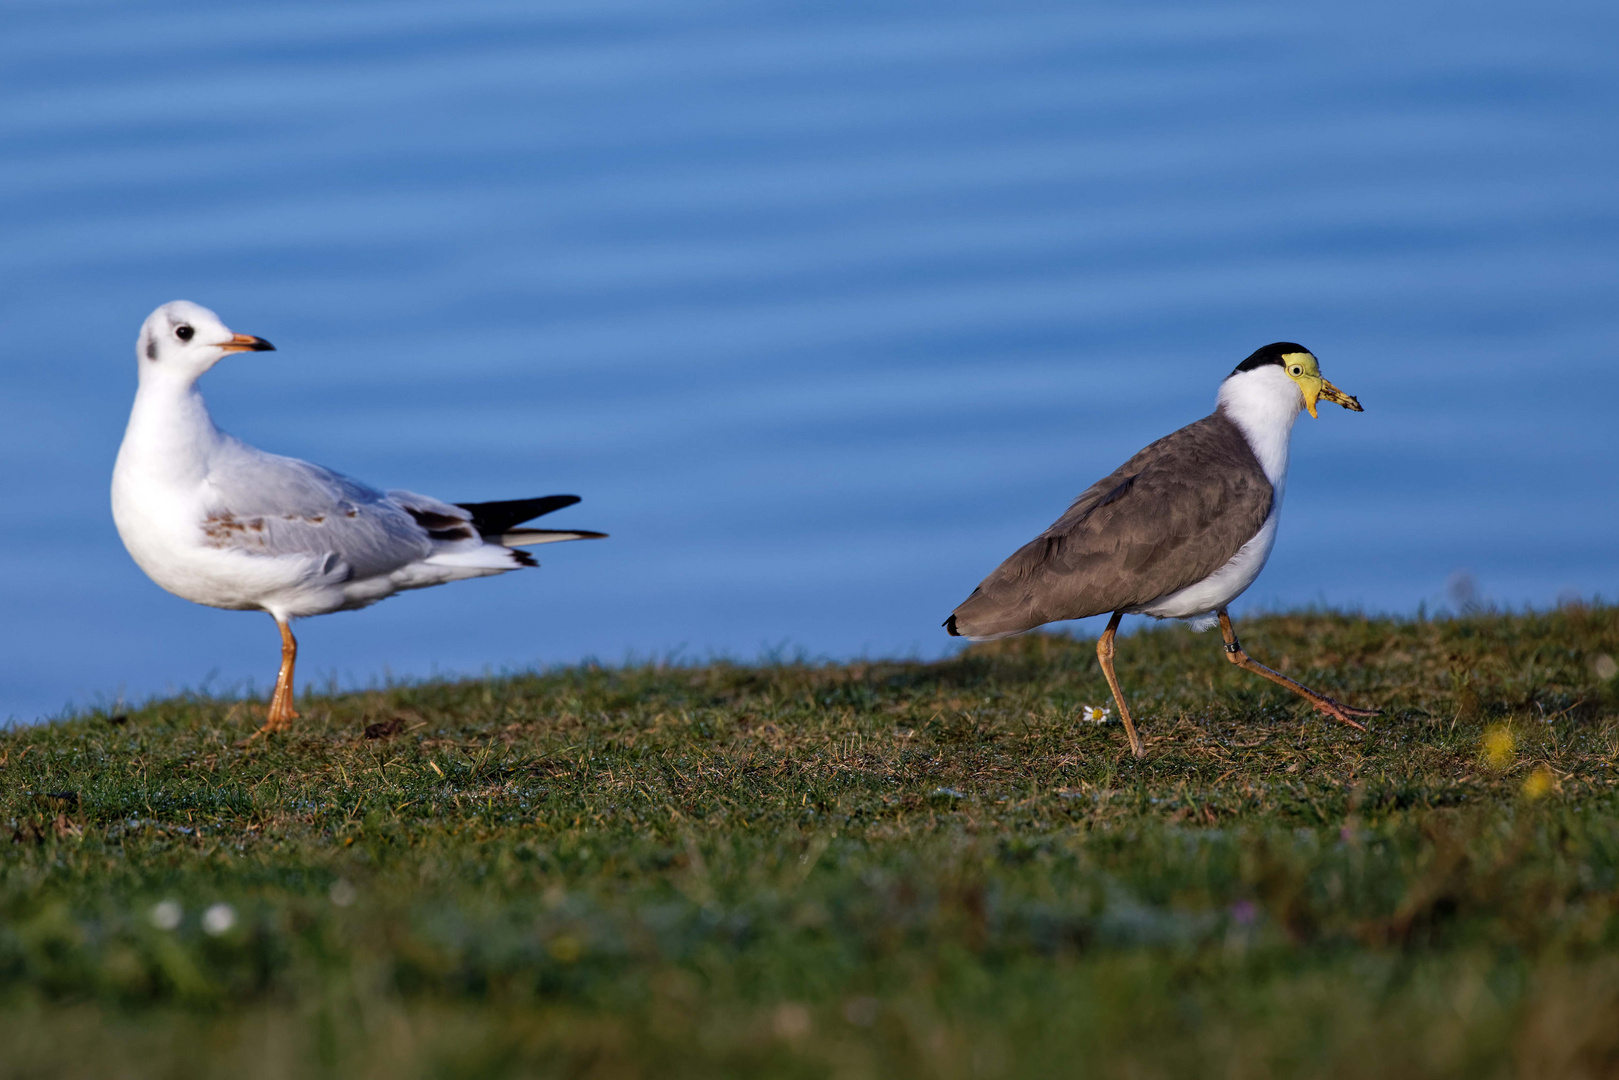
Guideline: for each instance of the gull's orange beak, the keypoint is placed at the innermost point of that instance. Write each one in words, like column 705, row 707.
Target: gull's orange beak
column 247, row 343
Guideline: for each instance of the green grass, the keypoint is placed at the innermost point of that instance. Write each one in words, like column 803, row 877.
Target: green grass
column 878, row 869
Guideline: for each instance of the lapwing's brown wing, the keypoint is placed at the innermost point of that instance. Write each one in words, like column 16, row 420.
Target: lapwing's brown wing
column 1168, row 518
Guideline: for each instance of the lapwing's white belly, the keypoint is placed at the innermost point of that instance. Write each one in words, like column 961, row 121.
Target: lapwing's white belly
column 1263, row 404
column 1221, row 587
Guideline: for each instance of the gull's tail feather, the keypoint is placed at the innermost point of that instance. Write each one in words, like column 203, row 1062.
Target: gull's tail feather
column 529, row 537
column 493, row 519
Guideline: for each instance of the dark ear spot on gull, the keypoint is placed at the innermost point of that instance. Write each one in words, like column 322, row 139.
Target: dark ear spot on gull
column 151, row 348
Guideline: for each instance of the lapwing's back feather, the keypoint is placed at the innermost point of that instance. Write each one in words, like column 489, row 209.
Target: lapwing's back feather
column 1167, row 518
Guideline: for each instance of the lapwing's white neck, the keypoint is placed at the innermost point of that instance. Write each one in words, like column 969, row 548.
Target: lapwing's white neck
column 1264, row 403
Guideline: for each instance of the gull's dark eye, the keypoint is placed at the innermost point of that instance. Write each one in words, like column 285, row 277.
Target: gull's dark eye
column 183, row 332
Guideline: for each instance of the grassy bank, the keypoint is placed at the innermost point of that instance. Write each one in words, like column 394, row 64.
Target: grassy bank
column 867, row 870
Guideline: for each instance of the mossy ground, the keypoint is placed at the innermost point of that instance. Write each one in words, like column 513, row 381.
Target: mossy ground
column 864, row 870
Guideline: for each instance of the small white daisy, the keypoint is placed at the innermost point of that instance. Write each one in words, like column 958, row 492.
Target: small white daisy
column 166, row 914
column 218, row 919
column 1095, row 714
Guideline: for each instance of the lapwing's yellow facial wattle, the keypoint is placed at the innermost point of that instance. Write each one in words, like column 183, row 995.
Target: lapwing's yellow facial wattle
column 1302, row 369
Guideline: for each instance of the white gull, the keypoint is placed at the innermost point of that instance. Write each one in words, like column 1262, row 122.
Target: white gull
column 221, row 523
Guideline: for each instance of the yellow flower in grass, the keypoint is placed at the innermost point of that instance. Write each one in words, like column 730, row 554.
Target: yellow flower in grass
column 1499, row 747
column 565, row 948
column 1539, row 784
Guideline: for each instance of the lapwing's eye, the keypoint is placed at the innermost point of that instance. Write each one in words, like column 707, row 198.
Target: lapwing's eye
column 183, row 332
column 1295, row 371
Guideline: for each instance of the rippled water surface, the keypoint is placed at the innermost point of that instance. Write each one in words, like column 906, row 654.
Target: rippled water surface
column 823, row 308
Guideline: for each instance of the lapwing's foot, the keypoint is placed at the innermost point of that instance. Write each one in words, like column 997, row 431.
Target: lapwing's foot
column 1343, row 713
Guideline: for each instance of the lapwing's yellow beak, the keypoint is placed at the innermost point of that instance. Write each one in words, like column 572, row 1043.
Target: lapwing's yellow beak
column 1319, row 388
column 247, row 343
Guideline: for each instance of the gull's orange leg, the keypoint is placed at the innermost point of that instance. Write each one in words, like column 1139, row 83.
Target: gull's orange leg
column 1335, row 709
column 1104, row 653
column 281, row 712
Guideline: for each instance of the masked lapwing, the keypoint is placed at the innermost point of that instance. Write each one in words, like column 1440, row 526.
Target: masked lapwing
column 1176, row 532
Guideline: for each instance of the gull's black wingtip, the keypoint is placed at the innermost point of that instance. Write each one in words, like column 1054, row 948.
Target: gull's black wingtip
column 950, row 626
column 494, row 518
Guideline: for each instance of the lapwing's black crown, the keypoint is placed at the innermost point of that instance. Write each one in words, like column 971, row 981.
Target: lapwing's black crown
column 1270, row 354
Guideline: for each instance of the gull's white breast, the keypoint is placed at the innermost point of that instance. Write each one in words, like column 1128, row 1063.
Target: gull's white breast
column 161, row 492
column 162, row 526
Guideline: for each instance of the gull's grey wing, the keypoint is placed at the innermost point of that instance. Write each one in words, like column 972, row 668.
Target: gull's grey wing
column 265, row 504
column 1165, row 519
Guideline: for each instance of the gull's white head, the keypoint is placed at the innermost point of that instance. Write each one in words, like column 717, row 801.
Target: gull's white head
column 182, row 340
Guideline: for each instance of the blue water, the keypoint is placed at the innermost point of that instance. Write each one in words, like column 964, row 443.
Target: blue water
column 823, row 308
